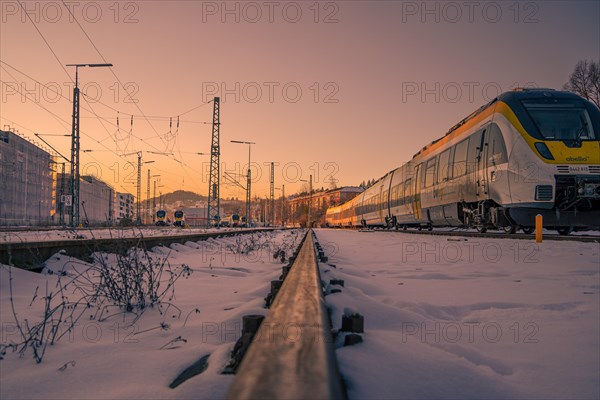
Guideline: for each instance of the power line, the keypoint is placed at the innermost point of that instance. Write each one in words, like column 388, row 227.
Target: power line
column 157, row 117
column 66, row 124
column 183, row 165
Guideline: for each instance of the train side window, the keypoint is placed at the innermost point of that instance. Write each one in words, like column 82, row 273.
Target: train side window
column 459, row 166
column 430, row 172
column 474, row 151
column 442, row 173
column 408, row 191
column 497, row 154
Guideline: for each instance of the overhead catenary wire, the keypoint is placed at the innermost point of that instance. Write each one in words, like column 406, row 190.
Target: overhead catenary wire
column 67, row 124
column 100, row 119
column 53, row 90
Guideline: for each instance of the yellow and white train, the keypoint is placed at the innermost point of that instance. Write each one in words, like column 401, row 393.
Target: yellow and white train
column 527, row 152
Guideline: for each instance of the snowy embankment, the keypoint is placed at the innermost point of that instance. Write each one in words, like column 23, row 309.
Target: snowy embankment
column 20, row 236
column 111, row 355
column 466, row 318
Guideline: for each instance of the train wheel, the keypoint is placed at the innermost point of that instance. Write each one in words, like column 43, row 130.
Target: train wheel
column 481, row 229
column 564, row 231
column 528, row 230
column 404, row 227
column 510, row 229
column 429, row 227
column 420, row 228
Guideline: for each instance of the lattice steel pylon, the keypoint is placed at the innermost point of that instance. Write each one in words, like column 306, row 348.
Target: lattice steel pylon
column 214, row 181
column 272, row 199
column 75, row 158
column 148, row 199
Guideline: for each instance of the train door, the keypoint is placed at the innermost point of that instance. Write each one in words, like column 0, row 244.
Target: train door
column 381, row 200
column 417, row 193
column 482, row 166
column 496, row 159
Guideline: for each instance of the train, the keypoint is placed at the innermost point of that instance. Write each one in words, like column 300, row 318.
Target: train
column 231, row 221
column 161, row 216
column 179, row 218
column 526, row 152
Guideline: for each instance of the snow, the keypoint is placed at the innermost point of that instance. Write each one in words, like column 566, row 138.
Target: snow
column 20, row 236
column 122, row 357
column 445, row 317
column 466, row 318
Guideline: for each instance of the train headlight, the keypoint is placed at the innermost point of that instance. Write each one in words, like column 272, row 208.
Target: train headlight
column 544, row 150
column 590, row 189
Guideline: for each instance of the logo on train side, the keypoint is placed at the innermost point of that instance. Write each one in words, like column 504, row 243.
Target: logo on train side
column 578, row 158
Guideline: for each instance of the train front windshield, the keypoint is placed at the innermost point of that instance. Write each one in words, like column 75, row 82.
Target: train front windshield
column 560, row 119
column 178, row 214
column 161, row 214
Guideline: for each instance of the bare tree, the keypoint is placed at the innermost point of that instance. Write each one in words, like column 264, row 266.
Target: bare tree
column 585, row 81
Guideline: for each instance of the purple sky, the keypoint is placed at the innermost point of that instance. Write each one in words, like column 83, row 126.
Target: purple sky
column 345, row 90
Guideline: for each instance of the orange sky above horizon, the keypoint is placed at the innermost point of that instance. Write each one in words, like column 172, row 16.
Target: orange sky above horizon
column 345, row 91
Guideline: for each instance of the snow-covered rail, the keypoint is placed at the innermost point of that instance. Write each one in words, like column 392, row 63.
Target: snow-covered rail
column 31, row 255
column 292, row 354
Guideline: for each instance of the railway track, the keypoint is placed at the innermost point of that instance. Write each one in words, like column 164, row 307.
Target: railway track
column 292, row 355
column 494, row 235
column 31, row 255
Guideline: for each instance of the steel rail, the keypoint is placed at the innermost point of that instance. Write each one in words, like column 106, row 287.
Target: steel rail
column 292, row 356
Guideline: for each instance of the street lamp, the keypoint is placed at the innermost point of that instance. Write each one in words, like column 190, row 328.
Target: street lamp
column 208, row 199
column 308, row 222
column 75, row 143
column 282, row 205
column 249, row 180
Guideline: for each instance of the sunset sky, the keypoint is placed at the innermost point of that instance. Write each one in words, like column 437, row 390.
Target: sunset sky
column 345, row 90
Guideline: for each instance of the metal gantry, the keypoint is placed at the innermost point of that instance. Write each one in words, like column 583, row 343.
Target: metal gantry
column 282, row 205
column 139, row 189
column 148, row 198
column 74, row 186
column 272, row 193
column 214, row 181
column 139, row 184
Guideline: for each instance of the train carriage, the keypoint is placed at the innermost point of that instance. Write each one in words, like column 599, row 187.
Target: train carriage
column 179, row 218
column 161, row 218
column 525, row 153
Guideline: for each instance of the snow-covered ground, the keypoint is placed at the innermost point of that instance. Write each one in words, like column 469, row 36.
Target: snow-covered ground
column 445, row 317
column 467, row 318
column 20, row 236
column 124, row 358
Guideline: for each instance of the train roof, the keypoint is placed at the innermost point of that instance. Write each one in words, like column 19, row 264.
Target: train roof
column 509, row 98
